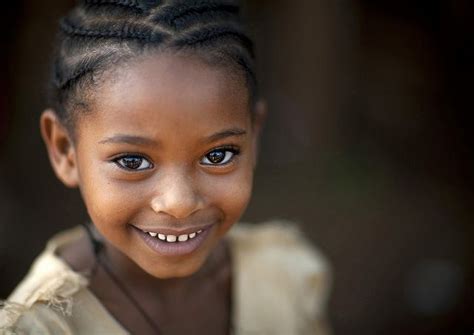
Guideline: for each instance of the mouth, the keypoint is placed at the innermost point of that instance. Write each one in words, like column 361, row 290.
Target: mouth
column 174, row 243
column 173, row 238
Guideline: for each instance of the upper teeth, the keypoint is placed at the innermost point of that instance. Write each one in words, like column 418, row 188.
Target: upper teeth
column 175, row 238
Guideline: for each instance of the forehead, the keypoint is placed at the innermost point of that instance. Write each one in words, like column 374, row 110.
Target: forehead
column 168, row 90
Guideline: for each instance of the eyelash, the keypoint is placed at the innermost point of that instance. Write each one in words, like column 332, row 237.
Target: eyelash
column 226, row 149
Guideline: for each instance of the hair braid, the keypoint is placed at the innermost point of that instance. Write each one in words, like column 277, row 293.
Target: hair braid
column 97, row 34
column 169, row 15
column 127, row 31
column 208, row 34
column 133, row 4
column 62, row 81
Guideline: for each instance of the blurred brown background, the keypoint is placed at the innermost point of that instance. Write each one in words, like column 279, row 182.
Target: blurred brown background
column 368, row 144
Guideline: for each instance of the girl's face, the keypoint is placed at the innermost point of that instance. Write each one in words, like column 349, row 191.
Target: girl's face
column 169, row 148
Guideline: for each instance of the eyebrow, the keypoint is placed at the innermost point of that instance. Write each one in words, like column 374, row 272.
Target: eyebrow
column 139, row 140
column 225, row 133
column 129, row 139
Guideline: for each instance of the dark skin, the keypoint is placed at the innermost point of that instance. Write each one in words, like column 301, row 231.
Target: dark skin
column 175, row 305
column 170, row 112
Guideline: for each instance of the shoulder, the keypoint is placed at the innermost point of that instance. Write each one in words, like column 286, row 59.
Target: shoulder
column 44, row 296
column 282, row 280
column 37, row 319
column 278, row 246
column 41, row 304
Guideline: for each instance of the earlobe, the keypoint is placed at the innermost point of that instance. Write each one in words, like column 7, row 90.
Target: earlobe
column 60, row 148
column 260, row 115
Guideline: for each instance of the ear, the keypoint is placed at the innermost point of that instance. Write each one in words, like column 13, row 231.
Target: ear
column 60, row 148
column 260, row 115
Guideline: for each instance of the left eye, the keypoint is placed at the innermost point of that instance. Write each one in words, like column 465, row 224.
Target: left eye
column 135, row 163
column 219, row 157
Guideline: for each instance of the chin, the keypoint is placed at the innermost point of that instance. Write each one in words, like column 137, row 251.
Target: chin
column 177, row 270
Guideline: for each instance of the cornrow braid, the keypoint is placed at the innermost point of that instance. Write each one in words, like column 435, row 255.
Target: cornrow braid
column 189, row 13
column 86, row 66
column 208, row 34
column 132, row 4
column 98, row 34
column 126, row 31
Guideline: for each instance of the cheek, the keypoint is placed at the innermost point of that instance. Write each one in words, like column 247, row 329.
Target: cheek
column 110, row 204
column 231, row 194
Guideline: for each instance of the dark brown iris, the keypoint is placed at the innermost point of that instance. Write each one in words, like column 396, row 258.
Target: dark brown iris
column 216, row 156
column 132, row 163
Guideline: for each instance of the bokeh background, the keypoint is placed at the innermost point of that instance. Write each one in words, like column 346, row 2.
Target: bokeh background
column 368, row 144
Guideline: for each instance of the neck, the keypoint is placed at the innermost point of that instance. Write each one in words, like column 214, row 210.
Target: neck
column 133, row 276
column 167, row 300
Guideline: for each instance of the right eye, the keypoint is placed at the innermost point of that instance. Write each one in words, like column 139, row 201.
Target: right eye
column 133, row 163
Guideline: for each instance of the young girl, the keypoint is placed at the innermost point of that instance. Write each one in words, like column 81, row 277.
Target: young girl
column 155, row 118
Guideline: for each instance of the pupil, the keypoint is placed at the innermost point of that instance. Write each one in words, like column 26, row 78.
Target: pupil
column 216, row 156
column 132, row 162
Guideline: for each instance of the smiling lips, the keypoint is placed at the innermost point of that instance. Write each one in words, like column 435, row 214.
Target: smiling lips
column 174, row 238
column 168, row 242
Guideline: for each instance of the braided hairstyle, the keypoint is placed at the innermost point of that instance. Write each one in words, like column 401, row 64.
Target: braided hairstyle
column 98, row 34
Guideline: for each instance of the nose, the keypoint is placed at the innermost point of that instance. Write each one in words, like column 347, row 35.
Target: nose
column 177, row 195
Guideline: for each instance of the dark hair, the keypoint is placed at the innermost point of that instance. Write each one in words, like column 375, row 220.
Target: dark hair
column 97, row 34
